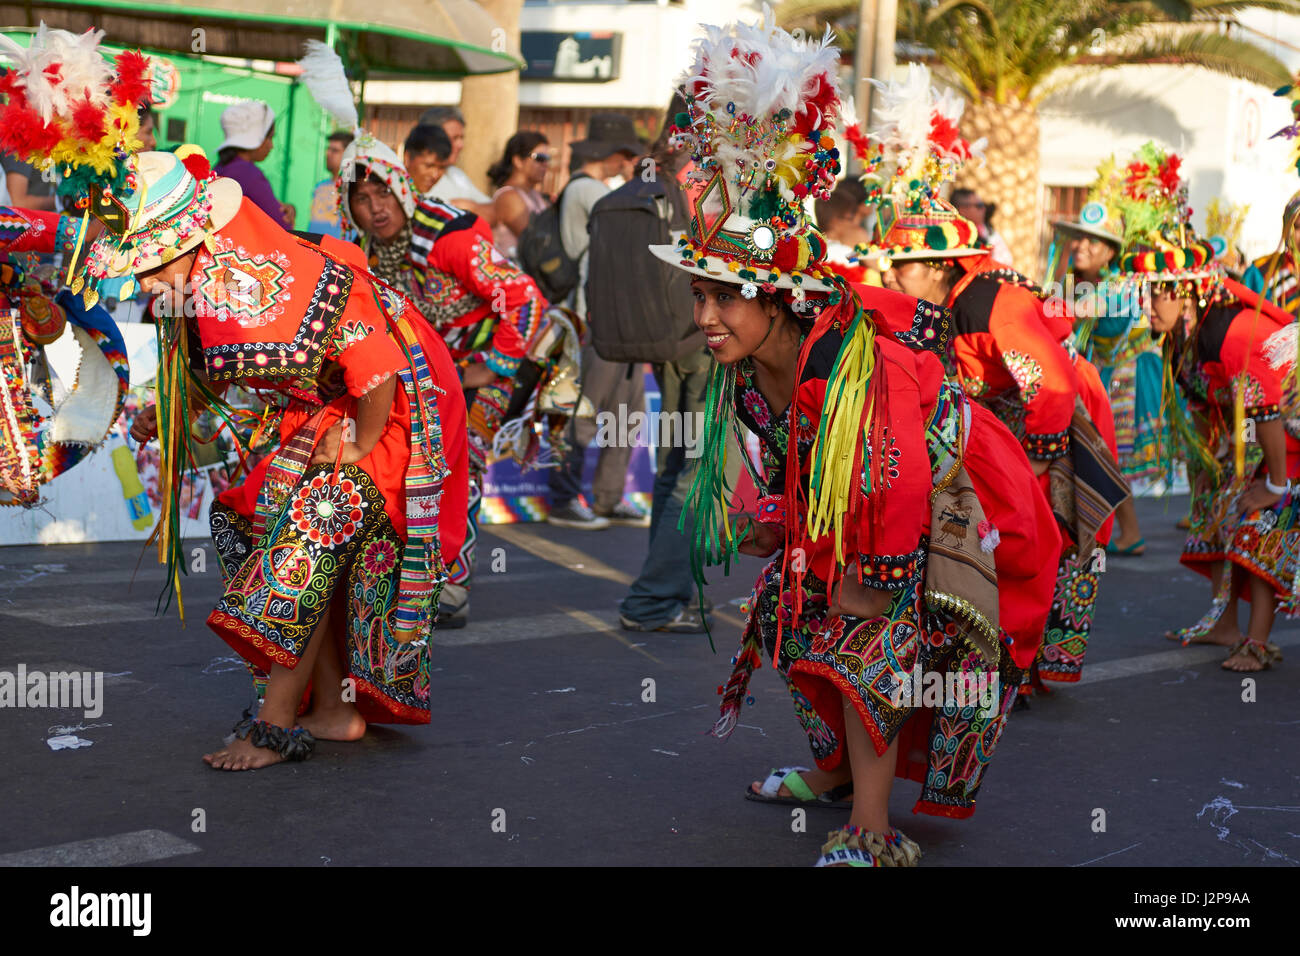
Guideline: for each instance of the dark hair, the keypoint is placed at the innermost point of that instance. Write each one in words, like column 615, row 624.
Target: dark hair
column 362, row 173
column 341, row 137
column 427, row 139
column 960, row 196
column 847, row 199
column 521, row 144
column 145, row 110
column 437, row 115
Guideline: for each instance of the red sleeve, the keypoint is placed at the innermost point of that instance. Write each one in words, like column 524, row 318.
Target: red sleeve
column 888, row 549
column 28, row 230
column 470, row 256
column 1261, row 352
column 1041, row 368
column 361, row 344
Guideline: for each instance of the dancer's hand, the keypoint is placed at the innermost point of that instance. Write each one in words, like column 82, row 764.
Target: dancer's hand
column 327, row 448
column 477, row 376
column 145, row 426
column 760, row 540
column 1258, row 496
column 854, row 598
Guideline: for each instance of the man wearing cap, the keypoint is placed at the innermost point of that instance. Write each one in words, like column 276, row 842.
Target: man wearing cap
column 611, row 141
column 249, row 128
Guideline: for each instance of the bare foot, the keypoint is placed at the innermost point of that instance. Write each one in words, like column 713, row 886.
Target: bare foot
column 337, row 723
column 1245, row 661
column 818, row 781
column 241, row 755
column 1225, row 633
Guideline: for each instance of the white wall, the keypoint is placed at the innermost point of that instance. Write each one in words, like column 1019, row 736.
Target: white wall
column 655, row 50
column 1220, row 127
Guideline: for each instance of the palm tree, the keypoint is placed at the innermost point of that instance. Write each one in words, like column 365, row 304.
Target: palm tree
column 1008, row 55
column 491, row 103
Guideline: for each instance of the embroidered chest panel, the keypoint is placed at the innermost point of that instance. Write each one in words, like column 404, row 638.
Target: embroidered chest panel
column 301, row 358
column 251, row 289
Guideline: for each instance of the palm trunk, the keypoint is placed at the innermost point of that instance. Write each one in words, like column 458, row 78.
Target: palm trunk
column 1008, row 176
column 491, row 103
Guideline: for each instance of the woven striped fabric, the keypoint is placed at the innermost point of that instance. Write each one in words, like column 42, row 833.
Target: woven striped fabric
column 423, row 570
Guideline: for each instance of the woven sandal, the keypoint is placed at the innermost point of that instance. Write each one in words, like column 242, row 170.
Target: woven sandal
column 851, row 846
column 296, row 744
column 1263, row 651
column 801, row 794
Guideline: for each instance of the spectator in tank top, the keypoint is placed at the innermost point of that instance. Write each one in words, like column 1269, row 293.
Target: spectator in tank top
column 518, row 177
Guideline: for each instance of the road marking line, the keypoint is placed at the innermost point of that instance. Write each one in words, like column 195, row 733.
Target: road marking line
column 597, row 624
column 560, row 554
column 1167, row 660
column 124, row 849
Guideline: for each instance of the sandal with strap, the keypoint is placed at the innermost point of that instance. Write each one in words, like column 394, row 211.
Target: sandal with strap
column 295, row 744
column 1264, row 652
column 853, row 846
column 801, row 794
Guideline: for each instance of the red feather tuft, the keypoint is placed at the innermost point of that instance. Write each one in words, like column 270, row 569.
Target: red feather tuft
column 816, row 106
column 198, row 165
column 945, row 135
column 88, row 121
column 24, row 133
column 134, row 78
column 1169, row 173
column 858, row 140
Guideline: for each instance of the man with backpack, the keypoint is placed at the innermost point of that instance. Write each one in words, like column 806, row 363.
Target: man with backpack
column 611, row 139
column 646, row 314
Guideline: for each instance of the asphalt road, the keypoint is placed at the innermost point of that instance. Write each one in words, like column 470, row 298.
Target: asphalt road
column 542, row 749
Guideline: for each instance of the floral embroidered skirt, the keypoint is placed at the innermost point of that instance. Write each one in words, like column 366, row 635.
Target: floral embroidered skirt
column 883, row 666
column 1266, row 543
column 1074, row 603
column 331, row 544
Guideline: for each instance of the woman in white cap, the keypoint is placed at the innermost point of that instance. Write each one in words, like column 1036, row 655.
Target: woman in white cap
column 250, row 130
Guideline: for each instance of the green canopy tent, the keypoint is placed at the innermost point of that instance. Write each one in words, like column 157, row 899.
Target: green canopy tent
column 428, row 39
column 417, row 39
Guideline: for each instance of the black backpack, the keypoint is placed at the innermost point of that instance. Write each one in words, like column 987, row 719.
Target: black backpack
column 540, row 251
column 639, row 308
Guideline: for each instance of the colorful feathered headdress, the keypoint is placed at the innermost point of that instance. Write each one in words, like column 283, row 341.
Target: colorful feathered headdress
column 70, row 109
column 1159, row 241
column 761, row 111
column 914, row 151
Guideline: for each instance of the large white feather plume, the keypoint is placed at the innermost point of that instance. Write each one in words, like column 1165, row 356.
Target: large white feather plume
column 905, row 112
column 323, row 72
column 772, row 71
column 82, row 70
